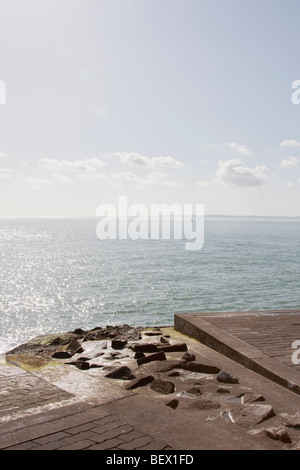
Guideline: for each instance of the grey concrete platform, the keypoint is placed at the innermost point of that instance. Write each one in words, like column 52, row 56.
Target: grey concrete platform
column 58, row 407
column 258, row 340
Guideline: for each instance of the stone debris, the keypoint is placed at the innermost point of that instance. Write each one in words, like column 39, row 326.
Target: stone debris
column 162, row 386
column 202, row 368
column 118, row 343
column 226, row 378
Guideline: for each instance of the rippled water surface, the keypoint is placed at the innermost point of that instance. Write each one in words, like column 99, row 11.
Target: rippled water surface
column 56, row 275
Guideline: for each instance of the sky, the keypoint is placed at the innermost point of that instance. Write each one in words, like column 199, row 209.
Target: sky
column 164, row 101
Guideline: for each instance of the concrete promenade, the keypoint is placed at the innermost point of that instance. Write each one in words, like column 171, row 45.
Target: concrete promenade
column 54, row 406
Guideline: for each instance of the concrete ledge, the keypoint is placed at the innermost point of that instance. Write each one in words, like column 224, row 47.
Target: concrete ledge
column 228, row 345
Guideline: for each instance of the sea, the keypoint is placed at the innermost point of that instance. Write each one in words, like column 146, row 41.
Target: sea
column 57, row 275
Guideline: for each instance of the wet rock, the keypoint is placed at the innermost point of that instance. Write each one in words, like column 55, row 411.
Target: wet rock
column 160, row 356
column 278, row 434
column 294, row 421
column 250, row 415
column 61, row 355
column 118, row 343
column 252, row 397
column 173, row 403
column 82, row 365
column 139, row 382
column 226, row 378
column 204, row 403
column 177, row 347
column 202, row 368
column 162, row 386
column 122, row 373
column 189, row 357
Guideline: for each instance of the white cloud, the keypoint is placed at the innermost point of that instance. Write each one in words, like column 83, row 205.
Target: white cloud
column 3, row 155
column 89, row 164
column 92, row 176
column 58, row 178
column 151, row 180
column 135, row 159
column 238, row 148
column 37, row 183
column 289, row 162
column 5, row 173
column 234, row 173
column 289, row 143
column 232, row 145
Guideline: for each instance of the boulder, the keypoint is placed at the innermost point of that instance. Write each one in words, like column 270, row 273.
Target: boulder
column 294, row 421
column 145, row 347
column 204, row 403
column 162, row 386
column 139, row 355
column 177, row 347
column 251, row 415
column 82, row 365
column 61, row 355
column 153, row 333
column 188, row 357
column 226, row 378
column 164, row 340
column 252, row 397
column 202, row 368
column 122, row 373
column 223, row 390
column 173, row 403
column 159, row 356
column 118, row 343
column 74, row 346
column 139, row 382
column 166, row 366
column 194, row 391
column 278, row 434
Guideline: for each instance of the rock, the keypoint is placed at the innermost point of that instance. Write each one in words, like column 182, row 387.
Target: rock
column 160, row 356
column 153, row 333
column 139, row 355
column 166, row 366
column 189, row 357
column 78, row 331
column 252, row 397
column 82, row 365
column 226, row 378
column 194, row 391
column 250, row 415
column 174, row 374
column 139, row 382
column 204, row 403
column 223, row 390
column 145, row 347
column 278, row 434
column 202, row 368
column 177, row 347
column 294, row 421
column 164, row 340
column 118, row 343
column 173, row 403
column 74, row 346
column 162, row 386
column 61, row 355
column 123, row 373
